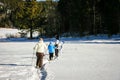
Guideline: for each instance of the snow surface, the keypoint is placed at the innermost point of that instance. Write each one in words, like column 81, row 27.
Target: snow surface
column 75, row 62
column 87, row 58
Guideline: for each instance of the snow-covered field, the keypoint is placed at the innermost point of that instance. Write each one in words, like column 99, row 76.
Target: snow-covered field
column 76, row 62
column 87, row 62
column 87, row 58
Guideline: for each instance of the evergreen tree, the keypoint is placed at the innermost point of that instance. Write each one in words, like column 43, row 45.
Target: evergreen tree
column 90, row 16
column 52, row 18
column 27, row 15
column 110, row 12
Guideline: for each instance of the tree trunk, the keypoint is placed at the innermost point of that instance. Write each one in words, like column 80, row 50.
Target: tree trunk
column 94, row 22
column 31, row 36
column 31, row 29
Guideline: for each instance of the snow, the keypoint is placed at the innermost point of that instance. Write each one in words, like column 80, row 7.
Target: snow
column 76, row 62
column 87, row 62
column 80, row 59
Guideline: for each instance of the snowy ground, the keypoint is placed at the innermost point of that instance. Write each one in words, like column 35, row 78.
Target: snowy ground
column 87, row 62
column 77, row 61
column 87, row 58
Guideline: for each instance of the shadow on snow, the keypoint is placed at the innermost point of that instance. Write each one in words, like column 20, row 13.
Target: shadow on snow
column 13, row 65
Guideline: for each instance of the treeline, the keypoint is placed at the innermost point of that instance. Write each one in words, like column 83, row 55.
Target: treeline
column 90, row 17
column 32, row 15
column 73, row 17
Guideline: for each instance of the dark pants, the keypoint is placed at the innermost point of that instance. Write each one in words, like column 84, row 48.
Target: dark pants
column 39, row 61
column 50, row 56
column 56, row 52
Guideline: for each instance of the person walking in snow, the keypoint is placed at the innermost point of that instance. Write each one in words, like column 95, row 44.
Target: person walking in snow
column 51, row 49
column 56, row 48
column 40, row 48
column 57, row 36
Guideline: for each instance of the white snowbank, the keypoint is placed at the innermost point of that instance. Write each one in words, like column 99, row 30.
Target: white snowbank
column 6, row 32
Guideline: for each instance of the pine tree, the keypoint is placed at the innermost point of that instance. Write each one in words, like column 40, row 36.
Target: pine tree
column 27, row 15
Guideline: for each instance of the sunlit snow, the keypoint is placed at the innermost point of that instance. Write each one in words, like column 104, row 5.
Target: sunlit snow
column 79, row 59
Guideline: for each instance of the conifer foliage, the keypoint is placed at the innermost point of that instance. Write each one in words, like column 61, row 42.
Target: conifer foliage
column 88, row 17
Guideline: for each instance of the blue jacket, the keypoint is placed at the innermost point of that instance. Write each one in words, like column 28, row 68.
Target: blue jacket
column 51, row 48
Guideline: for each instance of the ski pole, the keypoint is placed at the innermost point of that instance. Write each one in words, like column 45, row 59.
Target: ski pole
column 32, row 58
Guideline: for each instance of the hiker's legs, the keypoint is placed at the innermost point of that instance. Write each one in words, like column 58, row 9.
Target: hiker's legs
column 50, row 56
column 39, row 59
column 56, row 52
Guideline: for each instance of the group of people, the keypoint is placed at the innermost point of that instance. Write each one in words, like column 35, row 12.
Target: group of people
column 40, row 49
column 53, row 48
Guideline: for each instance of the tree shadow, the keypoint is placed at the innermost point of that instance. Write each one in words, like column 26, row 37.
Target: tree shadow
column 13, row 65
